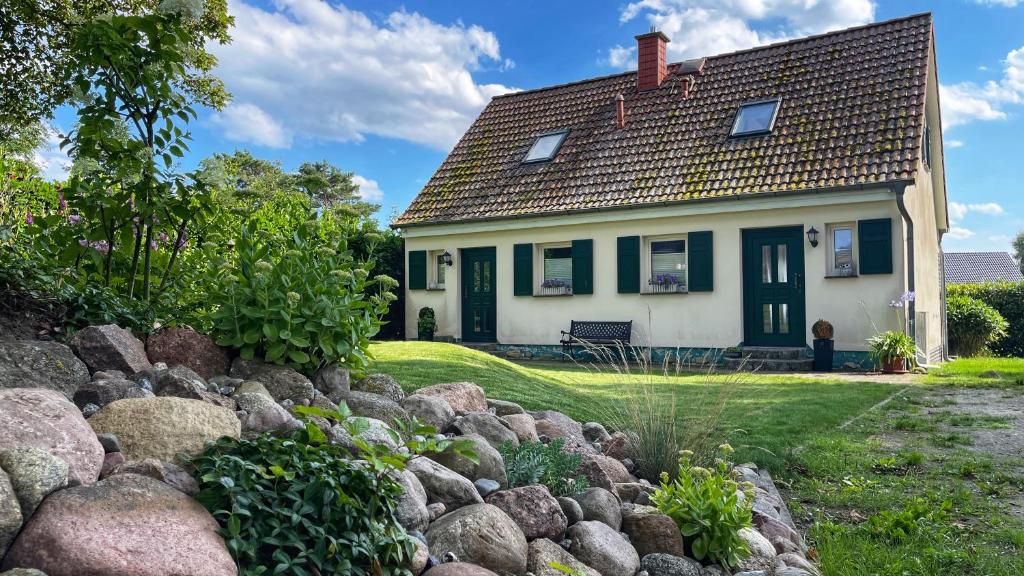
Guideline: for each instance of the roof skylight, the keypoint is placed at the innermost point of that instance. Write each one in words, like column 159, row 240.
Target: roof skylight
column 545, row 147
column 755, row 118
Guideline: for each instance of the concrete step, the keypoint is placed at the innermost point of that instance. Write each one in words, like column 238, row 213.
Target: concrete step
column 488, row 347
column 773, row 353
column 768, row 364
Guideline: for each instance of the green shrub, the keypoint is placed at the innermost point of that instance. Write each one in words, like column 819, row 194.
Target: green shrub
column 972, row 325
column 892, row 345
column 305, row 302
column 547, row 464
column 704, row 504
column 919, row 514
column 1008, row 299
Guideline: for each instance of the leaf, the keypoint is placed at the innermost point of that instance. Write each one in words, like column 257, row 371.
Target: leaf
column 298, row 356
column 270, row 331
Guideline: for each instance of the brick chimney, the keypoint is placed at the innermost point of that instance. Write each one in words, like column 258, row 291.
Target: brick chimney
column 652, row 66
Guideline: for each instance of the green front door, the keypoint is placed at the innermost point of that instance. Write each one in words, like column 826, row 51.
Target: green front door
column 479, row 302
column 773, row 287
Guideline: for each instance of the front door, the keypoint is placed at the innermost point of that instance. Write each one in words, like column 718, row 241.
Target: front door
column 773, row 287
column 479, row 302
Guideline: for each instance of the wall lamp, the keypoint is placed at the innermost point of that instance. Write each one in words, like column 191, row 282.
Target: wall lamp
column 812, row 237
column 447, row 257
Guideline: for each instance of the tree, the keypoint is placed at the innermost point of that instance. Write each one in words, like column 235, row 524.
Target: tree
column 330, row 187
column 1018, row 250
column 37, row 38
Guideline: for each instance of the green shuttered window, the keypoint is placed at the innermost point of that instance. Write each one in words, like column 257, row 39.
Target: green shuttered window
column 522, row 269
column 582, row 266
column 701, row 262
column 417, row 270
column 629, row 264
column 875, row 243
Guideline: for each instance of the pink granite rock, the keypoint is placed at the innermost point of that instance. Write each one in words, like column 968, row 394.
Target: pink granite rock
column 46, row 419
column 110, row 347
column 464, row 397
column 186, row 347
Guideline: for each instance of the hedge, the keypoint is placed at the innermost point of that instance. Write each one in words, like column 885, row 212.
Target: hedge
column 1008, row 299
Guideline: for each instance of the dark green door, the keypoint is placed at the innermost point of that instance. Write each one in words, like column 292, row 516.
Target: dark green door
column 773, row 287
column 479, row 302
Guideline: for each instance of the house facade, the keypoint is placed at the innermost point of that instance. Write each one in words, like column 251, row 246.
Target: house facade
column 719, row 202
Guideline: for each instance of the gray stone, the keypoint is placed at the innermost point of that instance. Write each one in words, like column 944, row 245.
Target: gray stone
column 483, row 535
column 268, row 417
column 436, row 510
column 486, row 486
column 523, row 425
column 458, row 569
column 280, row 381
column 182, row 382
column 332, row 381
column 251, row 387
column 137, row 392
column 10, row 513
column 533, row 509
column 634, row 492
column 758, row 544
column 411, row 506
column 432, row 410
column 102, row 392
column 572, row 510
column 504, row 408
column 542, row 553
column 166, row 472
column 22, row 571
column 34, row 473
column 793, row 563
column 490, row 464
column 603, row 549
column 485, row 424
column 110, row 347
column 383, row 384
column 39, row 364
column 463, row 397
column 651, row 531
column 595, row 432
column 89, row 410
column 443, row 485
column 604, row 471
column 669, row 565
column 109, row 442
column 375, row 406
column 600, row 505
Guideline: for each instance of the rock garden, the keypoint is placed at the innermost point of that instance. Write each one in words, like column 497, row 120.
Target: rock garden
column 173, row 457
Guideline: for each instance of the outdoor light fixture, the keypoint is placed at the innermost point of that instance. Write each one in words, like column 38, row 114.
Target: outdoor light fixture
column 447, row 257
column 812, row 237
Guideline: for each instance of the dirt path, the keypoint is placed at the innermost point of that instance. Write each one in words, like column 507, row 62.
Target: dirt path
column 999, row 415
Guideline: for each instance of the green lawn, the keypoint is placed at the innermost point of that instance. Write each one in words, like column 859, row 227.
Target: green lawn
column 980, row 372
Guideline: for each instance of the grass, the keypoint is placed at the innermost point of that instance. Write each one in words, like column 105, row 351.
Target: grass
column 980, row 372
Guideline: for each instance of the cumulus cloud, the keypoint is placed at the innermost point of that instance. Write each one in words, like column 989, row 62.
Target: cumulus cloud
column 52, row 162
column 958, row 210
column 954, row 143
column 958, row 233
column 307, row 69
column 708, row 27
column 369, row 190
column 1006, row 3
column 967, row 102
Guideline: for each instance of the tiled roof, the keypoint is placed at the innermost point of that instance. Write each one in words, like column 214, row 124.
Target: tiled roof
column 851, row 114
column 969, row 267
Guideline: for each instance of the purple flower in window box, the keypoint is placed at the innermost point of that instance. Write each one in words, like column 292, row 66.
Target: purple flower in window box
column 664, row 280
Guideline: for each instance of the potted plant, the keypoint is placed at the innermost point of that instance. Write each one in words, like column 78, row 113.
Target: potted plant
column 426, row 324
column 893, row 350
column 555, row 286
column 824, row 346
column 665, row 283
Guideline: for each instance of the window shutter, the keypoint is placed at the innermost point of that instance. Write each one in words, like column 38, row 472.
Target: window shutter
column 417, row 270
column 629, row 264
column 874, row 239
column 522, row 269
column 582, row 266
column 701, row 261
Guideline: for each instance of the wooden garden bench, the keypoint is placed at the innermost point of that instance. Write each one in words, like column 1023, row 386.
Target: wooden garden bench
column 595, row 333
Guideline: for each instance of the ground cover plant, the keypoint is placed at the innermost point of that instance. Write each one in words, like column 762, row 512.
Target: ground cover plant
column 547, row 464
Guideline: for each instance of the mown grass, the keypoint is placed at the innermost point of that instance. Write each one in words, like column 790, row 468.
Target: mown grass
column 983, row 372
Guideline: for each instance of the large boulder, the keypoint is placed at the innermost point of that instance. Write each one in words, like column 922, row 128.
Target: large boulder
column 46, row 419
column 184, row 346
column 600, row 505
column 373, row 432
column 443, row 485
column 617, row 446
column 183, row 382
column 411, row 506
column 542, row 553
column 432, row 410
column 171, row 474
column 333, row 381
column 458, row 569
column 34, row 473
column 128, row 525
column 651, row 531
column 490, row 464
column 533, row 509
column 524, row 426
column 375, row 406
column 504, row 407
column 38, row 364
column 102, row 392
column 480, row 534
column 281, row 382
column 603, row 471
column 603, row 549
column 10, row 513
column 164, row 427
column 463, row 397
column 572, row 510
column 558, row 425
column 485, row 424
column 669, row 565
column 262, row 414
column 595, row 432
column 382, row 384
column 110, row 347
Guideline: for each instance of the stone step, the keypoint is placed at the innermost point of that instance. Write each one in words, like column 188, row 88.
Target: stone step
column 489, row 347
column 768, row 364
column 773, row 353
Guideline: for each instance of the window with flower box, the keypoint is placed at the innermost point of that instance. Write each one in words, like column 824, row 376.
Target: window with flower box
column 557, row 270
column 668, row 265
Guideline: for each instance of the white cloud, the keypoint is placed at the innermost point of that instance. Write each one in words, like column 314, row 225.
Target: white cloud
column 708, row 27
column 966, row 102
column 309, row 69
column 957, row 210
column 1006, row 3
column 1001, row 238
column 954, row 143
column 52, row 162
column 369, row 190
column 958, row 233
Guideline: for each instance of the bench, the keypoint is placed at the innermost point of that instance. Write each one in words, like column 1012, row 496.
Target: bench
column 595, row 333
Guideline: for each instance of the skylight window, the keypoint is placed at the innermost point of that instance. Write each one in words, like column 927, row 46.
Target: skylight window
column 755, row 118
column 546, row 146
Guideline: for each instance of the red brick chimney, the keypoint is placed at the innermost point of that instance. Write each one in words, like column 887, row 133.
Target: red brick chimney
column 652, row 66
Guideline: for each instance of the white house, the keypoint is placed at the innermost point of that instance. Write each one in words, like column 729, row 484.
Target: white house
column 719, row 202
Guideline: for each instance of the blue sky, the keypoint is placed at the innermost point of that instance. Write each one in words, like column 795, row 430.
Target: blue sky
column 384, row 89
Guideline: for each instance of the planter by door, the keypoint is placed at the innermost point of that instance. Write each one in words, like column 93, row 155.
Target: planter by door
column 894, row 365
column 773, row 287
column 479, row 301
column 823, row 351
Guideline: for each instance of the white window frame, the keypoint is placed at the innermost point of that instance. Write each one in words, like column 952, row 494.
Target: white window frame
column 831, row 269
column 433, row 282
column 539, row 268
column 647, row 268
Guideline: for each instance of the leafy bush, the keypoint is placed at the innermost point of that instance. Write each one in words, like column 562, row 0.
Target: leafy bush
column 919, row 514
column 972, row 325
column 1008, row 299
column 547, row 464
column 303, row 302
column 891, row 345
column 703, row 502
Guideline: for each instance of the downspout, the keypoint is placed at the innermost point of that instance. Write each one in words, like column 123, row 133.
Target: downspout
column 899, row 190
column 945, row 325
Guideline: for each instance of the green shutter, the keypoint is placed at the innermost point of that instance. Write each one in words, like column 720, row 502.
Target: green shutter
column 874, row 240
column 582, row 266
column 417, row 270
column 629, row 264
column 700, row 262
column 522, row 269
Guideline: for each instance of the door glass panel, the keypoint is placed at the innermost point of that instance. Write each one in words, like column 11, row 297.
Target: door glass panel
column 766, row 264
column 487, row 276
column 783, row 318
column 766, row 314
column 476, row 276
column 782, row 276
column 476, row 321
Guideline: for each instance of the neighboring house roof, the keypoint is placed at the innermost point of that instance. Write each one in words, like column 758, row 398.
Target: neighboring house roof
column 851, row 115
column 970, row 267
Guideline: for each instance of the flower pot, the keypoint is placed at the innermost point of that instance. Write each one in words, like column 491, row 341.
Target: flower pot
column 894, row 365
column 824, row 348
column 425, row 335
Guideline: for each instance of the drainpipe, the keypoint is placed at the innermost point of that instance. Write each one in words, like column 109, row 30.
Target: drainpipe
column 945, row 325
column 899, row 190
